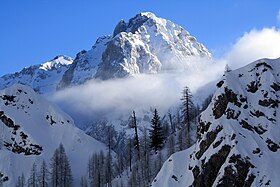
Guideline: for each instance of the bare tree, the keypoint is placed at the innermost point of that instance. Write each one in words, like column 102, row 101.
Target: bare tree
column 32, row 181
column 43, row 175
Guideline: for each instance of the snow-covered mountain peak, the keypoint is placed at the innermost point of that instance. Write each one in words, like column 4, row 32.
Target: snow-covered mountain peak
column 57, row 62
column 238, row 136
column 147, row 44
column 42, row 77
column 144, row 44
column 148, row 14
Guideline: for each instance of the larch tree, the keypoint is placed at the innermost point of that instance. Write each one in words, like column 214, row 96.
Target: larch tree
column 187, row 109
column 136, row 138
column 61, row 174
column 33, row 178
column 20, row 181
column 43, row 175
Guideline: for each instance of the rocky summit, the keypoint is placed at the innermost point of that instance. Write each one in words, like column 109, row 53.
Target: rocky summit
column 145, row 44
column 238, row 136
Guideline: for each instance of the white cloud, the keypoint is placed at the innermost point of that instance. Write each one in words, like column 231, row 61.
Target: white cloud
column 254, row 45
column 119, row 97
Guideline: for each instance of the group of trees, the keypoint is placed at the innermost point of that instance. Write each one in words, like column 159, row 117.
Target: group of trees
column 59, row 173
column 138, row 157
column 172, row 132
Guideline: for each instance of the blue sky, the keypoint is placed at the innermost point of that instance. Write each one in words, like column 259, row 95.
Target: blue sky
column 34, row 31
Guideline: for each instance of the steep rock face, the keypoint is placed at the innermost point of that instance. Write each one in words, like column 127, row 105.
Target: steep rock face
column 238, row 136
column 31, row 129
column 85, row 64
column 146, row 44
column 42, row 78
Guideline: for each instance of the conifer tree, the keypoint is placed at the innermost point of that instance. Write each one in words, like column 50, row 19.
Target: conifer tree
column 156, row 134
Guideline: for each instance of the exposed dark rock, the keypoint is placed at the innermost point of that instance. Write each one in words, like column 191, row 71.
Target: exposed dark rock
column 275, row 86
column 243, row 99
column 259, row 129
column 256, row 151
column 236, row 176
column 207, row 176
column 269, row 103
column 257, row 113
column 3, row 178
column 121, row 27
column 253, row 87
column 263, row 64
column 222, row 101
column 232, row 97
column 246, row 125
column 204, row 144
column 217, row 143
column 272, row 145
column 137, row 22
column 23, row 135
column 202, row 128
column 30, row 101
column 220, row 106
column 220, row 84
column 68, row 75
column 109, row 56
column 174, row 177
column 230, row 113
column 10, row 98
column 21, row 146
column 233, row 137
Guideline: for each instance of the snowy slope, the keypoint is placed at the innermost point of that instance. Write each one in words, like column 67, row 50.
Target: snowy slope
column 239, row 140
column 31, row 129
column 43, row 78
column 146, row 44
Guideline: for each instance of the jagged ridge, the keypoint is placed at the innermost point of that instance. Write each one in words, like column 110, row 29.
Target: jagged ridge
column 43, row 78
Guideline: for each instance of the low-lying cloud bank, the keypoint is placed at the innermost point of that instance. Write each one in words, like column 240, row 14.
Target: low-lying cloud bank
column 119, row 97
column 254, row 45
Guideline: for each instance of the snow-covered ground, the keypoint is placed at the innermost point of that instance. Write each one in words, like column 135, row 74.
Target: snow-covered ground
column 27, row 119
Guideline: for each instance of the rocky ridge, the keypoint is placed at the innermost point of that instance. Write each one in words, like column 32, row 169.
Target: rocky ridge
column 238, row 136
column 43, row 78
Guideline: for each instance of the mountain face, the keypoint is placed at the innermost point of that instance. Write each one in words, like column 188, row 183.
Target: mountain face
column 42, row 78
column 31, row 129
column 238, row 136
column 146, row 44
